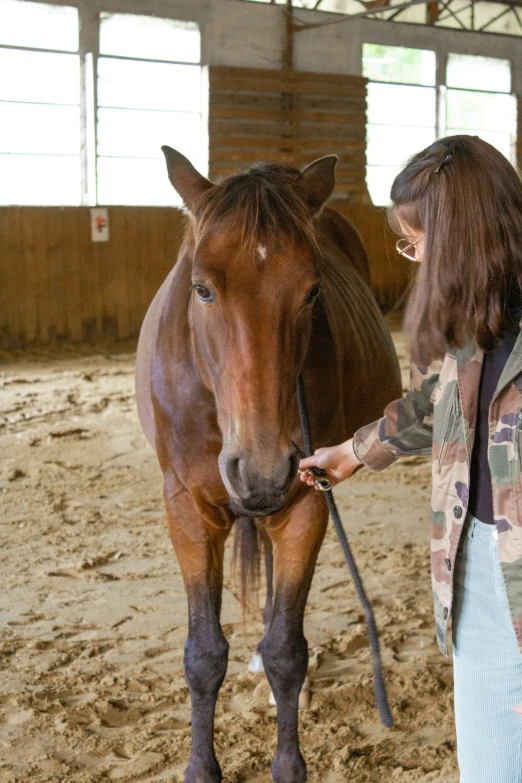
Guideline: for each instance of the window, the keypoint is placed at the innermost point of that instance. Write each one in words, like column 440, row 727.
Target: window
column 401, row 111
column 402, row 119
column 149, row 94
column 87, row 129
column 39, row 104
column 478, row 100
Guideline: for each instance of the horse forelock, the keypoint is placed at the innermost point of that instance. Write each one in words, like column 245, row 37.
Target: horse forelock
column 260, row 205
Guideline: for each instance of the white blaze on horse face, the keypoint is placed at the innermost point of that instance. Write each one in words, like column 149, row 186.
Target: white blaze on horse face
column 262, row 252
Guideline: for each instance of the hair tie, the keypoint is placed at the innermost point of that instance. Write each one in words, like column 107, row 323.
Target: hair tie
column 450, row 149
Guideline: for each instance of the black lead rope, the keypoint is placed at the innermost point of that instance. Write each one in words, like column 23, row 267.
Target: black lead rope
column 378, row 680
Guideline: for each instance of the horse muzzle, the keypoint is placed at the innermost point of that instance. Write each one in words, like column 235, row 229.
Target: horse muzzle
column 257, row 490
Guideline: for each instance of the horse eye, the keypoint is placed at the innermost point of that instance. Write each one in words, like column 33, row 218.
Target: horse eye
column 312, row 294
column 203, row 293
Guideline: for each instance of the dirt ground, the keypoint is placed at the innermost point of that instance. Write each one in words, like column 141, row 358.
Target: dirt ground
column 93, row 613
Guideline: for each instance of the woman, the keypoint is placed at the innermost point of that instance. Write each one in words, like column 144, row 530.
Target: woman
column 458, row 205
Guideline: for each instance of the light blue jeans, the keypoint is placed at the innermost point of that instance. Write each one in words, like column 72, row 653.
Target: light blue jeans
column 487, row 664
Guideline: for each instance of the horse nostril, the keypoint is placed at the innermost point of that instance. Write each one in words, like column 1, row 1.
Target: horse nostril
column 233, row 469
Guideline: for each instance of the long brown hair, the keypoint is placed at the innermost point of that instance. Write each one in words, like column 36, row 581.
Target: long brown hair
column 466, row 198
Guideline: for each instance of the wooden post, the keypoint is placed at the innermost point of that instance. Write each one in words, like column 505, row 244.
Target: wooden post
column 288, row 98
column 433, row 12
column 288, row 53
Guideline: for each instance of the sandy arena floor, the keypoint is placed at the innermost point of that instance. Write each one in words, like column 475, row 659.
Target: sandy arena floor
column 93, row 613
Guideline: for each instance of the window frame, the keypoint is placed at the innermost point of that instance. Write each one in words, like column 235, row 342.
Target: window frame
column 92, row 195
column 441, row 88
column 70, row 52
column 89, row 54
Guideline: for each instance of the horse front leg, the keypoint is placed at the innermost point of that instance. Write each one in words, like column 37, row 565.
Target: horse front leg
column 296, row 539
column 199, row 545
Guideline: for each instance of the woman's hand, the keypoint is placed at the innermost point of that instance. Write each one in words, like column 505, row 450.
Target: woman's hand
column 339, row 462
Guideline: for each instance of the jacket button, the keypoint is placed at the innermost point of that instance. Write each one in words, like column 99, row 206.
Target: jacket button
column 458, row 512
column 446, row 612
column 448, row 563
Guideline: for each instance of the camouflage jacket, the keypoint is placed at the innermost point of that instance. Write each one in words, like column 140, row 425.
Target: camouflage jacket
column 438, row 417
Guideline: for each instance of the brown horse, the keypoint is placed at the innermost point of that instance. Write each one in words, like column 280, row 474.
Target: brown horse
column 268, row 284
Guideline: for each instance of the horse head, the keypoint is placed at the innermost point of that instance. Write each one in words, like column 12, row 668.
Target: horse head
column 255, row 277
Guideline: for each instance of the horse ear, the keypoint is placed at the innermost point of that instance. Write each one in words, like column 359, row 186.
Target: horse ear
column 317, row 181
column 185, row 179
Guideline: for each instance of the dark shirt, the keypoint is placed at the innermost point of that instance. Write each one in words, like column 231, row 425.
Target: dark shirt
column 480, row 496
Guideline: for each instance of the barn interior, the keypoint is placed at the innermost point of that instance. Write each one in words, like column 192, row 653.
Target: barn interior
column 92, row 607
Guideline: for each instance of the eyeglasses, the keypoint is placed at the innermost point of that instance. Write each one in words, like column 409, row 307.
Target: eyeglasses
column 408, row 249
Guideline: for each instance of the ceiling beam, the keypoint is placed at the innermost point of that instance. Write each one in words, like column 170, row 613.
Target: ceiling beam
column 374, row 9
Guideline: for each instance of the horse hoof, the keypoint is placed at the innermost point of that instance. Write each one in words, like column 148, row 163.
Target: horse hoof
column 289, row 768
column 256, row 664
column 203, row 773
column 304, row 696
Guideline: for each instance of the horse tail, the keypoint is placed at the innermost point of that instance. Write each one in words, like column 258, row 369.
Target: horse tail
column 247, row 555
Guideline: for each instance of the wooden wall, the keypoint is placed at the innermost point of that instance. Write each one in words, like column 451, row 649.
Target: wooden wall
column 56, row 284
column 291, row 117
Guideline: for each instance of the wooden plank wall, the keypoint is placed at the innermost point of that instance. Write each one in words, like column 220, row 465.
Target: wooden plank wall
column 56, row 284
column 291, row 117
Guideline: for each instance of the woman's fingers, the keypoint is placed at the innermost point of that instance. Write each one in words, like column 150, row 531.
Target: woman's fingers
column 305, row 464
column 311, row 462
column 308, row 478
column 322, row 458
column 329, row 459
column 339, row 462
column 316, row 460
column 312, row 480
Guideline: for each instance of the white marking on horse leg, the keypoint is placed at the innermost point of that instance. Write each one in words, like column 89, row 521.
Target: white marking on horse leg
column 256, row 664
column 304, row 696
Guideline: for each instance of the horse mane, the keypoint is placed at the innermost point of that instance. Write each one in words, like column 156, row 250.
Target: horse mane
column 262, row 201
column 358, row 331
